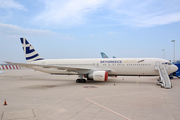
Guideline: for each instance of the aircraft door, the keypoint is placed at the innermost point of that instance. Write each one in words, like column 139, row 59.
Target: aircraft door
column 97, row 64
column 157, row 64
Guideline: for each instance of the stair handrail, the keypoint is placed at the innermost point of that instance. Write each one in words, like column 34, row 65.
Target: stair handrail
column 161, row 76
column 167, row 74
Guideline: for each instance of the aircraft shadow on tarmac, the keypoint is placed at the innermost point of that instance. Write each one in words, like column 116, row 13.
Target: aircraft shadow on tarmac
column 92, row 84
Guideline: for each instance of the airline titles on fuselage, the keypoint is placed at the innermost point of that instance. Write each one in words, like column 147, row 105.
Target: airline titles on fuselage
column 110, row 61
column 120, row 61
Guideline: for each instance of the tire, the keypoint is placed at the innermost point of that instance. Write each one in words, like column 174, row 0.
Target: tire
column 77, row 81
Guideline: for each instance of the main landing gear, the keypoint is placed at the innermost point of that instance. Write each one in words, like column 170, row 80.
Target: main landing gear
column 81, row 80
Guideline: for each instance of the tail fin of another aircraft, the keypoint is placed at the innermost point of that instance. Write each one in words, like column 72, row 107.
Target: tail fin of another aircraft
column 104, row 55
column 30, row 53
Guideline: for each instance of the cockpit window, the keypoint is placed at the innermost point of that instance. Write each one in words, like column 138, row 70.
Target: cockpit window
column 169, row 63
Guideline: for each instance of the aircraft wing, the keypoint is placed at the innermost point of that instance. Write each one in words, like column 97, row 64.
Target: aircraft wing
column 80, row 70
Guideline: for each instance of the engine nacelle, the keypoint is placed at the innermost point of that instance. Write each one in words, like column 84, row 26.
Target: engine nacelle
column 98, row 76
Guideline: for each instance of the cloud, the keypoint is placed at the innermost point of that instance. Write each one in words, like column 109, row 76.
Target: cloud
column 8, row 29
column 140, row 13
column 91, row 35
column 136, row 13
column 68, row 12
column 65, row 37
column 158, row 20
column 11, row 4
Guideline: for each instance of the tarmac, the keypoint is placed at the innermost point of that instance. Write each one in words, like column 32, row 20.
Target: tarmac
column 33, row 95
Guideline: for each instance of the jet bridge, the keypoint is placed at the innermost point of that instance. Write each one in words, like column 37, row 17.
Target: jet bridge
column 164, row 80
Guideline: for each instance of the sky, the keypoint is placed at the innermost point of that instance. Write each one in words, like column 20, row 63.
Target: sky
column 67, row 29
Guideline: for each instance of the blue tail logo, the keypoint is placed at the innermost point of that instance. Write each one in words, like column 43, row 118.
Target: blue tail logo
column 104, row 55
column 29, row 51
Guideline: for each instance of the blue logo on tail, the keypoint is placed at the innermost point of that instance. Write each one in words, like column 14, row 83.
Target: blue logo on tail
column 29, row 51
column 104, row 55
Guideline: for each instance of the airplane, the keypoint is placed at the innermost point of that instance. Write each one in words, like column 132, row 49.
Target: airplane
column 105, row 56
column 93, row 69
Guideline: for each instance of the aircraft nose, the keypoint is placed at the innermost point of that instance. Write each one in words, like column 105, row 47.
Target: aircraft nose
column 175, row 68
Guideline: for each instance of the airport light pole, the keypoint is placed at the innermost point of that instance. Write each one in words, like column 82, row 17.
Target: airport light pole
column 174, row 49
column 163, row 53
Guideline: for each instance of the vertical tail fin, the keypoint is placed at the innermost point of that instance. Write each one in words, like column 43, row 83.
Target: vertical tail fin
column 104, row 55
column 29, row 51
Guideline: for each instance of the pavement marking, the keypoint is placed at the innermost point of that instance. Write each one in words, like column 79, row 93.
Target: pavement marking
column 124, row 94
column 107, row 109
column 165, row 103
column 22, row 114
column 2, row 115
column 79, row 111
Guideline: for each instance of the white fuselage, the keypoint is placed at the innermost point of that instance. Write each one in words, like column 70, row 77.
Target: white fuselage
column 117, row 66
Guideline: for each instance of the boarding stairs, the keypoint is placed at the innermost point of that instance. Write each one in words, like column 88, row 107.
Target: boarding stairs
column 164, row 80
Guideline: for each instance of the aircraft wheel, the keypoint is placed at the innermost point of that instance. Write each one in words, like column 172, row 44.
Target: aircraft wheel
column 171, row 77
column 81, row 80
column 77, row 81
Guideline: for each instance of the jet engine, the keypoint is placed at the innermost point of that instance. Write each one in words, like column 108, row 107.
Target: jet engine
column 97, row 76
